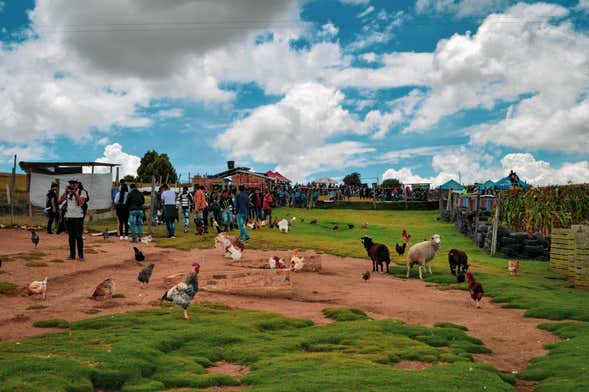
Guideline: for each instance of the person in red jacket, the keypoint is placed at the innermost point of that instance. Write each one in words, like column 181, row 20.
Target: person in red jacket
column 267, row 206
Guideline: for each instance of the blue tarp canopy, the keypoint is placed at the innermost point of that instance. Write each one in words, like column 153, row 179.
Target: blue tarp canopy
column 454, row 185
column 487, row 185
column 504, row 184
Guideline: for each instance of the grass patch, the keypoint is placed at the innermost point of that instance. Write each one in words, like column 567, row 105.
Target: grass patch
column 90, row 251
column 93, row 311
column 51, row 323
column 35, row 264
column 345, row 314
column 56, row 261
column 7, row 288
column 118, row 295
column 28, row 256
column 565, row 367
column 157, row 350
column 20, row 318
column 37, row 307
column 450, row 325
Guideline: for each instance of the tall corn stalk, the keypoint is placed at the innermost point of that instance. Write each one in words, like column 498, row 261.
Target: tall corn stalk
column 541, row 209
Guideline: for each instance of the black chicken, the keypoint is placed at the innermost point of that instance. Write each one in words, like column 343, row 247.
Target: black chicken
column 105, row 235
column 145, row 274
column 401, row 248
column 366, row 275
column 313, row 222
column 139, row 257
column 350, row 226
column 35, row 238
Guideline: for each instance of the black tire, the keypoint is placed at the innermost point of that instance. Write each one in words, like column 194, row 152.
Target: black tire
column 508, row 241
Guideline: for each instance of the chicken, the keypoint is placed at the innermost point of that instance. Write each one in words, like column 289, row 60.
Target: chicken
column 35, row 238
column 313, row 222
column 231, row 246
column 297, row 263
column 366, row 275
column 284, row 225
column 406, row 236
column 146, row 240
column 460, row 277
column 513, row 266
column 335, row 228
column 475, row 289
column 183, row 293
column 145, row 274
column 302, row 220
column 401, row 248
column 276, row 262
column 139, row 257
column 105, row 235
column 37, row 287
column 104, row 289
column 365, row 226
column 350, row 226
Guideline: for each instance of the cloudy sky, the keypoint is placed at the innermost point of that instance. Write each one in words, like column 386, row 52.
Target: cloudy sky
column 422, row 90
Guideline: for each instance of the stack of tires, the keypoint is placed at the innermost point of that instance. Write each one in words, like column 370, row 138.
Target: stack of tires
column 524, row 245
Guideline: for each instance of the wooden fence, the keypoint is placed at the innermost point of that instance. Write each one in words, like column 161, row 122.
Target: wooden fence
column 569, row 254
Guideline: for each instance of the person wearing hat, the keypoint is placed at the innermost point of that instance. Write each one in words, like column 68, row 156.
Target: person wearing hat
column 74, row 217
column 52, row 207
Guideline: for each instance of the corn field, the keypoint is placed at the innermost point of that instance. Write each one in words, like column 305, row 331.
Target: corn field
column 541, row 209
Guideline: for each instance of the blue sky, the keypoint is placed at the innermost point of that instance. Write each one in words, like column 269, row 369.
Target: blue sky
column 422, row 90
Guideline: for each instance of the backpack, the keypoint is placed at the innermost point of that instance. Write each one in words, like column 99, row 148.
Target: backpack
column 85, row 205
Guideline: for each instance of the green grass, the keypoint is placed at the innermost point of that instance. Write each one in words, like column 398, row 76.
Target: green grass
column 35, row 264
column 345, row 314
column 118, row 295
column 37, row 307
column 566, row 367
column 450, row 325
column 7, row 288
column 51, row 323
column 157, row 350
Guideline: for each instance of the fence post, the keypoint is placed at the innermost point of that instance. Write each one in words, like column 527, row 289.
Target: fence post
column 151, row 205
column 12, row 192
column 29, row 179
column 495, row 226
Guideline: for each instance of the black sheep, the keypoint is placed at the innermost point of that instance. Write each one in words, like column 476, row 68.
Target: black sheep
column 458, row 261
column 378, row 253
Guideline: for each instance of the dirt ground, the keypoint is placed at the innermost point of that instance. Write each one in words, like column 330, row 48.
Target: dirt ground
column 514, row 339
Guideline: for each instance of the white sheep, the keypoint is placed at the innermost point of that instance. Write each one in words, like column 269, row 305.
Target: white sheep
column 284, row 225
column 422, row 254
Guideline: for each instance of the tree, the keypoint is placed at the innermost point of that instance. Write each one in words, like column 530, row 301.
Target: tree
column 158, row 165
column 129, row 178
column 391, row 183
column 353, row 179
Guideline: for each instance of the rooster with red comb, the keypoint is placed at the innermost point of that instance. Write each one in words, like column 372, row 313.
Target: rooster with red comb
column 183, row 293
column 406, row 236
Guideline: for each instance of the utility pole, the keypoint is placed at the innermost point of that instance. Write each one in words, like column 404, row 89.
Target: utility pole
column 12, row 191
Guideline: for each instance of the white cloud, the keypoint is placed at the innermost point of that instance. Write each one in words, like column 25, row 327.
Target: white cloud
column 355, row 2
column 295, row 132
column 366, row 12
column 328, row 31
column 378, row 30
column 370, row 57
column 2, row 4
column 28, row 152
column 170, row 113
column 583, row 5
column 103, row 141
column 470, row 165
column 461, row 8
column 113, row 153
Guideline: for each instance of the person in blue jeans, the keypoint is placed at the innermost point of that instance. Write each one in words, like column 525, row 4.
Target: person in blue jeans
column 241, row 209
column 135, row 202
column 170, row 211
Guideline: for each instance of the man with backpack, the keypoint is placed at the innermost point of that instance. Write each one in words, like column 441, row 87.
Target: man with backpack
column 186, row 202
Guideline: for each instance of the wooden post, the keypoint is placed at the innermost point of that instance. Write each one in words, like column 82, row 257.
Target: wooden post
column 117, row 177
column 495, row 226
column 12, row 191
column 152, row 205
column 405, row 194
column 476, row 220
column 449, row 202
column 29, row 179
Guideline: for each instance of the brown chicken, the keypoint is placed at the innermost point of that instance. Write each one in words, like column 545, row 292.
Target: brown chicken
column 513, row 266
column 475, row 289
column 104, row 289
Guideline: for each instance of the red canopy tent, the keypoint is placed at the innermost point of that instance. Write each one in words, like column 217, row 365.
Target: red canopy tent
column 277, row 176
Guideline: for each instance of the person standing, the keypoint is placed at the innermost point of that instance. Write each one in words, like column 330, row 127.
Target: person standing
column 122, row 211
column 170, row 211
column 135, row 202
column 267, row 206
column 199, row 207
column 74, row 217
column 242, row 205
column 52, row 207
column 258, row 203
column 226, row 205
column 186, row 203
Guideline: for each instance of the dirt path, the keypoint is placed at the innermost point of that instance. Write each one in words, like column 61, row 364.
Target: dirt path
column 514, row 339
